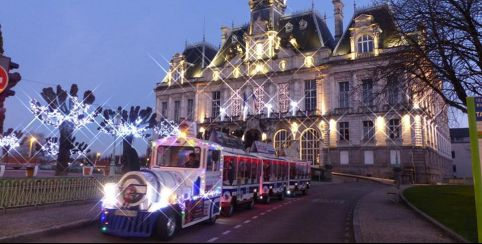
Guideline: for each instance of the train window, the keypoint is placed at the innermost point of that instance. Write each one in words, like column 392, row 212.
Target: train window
column 266, row 170
column 213, row 161
column 229, row 170
column 253, row 171
column 242, row 171
column 178, row 157
column 293, row 171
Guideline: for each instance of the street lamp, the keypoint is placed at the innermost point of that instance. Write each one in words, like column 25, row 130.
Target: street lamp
column 32, row 140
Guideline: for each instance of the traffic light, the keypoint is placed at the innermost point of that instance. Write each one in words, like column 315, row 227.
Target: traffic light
column 13, row 77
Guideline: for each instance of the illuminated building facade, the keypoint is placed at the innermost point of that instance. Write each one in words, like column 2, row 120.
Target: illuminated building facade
column 287, row 80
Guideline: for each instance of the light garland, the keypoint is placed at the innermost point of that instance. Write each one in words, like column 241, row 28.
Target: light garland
column 9, row 142
column 51, row 148
column 166, row 128
column 80, row 113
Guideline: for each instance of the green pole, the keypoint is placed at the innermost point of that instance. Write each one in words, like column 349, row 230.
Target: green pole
column 474, row 146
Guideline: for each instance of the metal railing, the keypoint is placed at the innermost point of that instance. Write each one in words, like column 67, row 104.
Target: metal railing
column 15, row 193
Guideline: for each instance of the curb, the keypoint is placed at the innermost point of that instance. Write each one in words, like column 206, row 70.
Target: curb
column 378, row 180
column 444, row 228
column 356, row 224
column 52, row 229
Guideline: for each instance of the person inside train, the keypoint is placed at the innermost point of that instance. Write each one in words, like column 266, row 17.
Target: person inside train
column 192, row 162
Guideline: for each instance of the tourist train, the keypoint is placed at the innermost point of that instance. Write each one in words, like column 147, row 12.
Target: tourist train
column 190, row 181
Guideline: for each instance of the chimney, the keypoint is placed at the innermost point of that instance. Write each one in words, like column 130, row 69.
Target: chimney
column 338, row 6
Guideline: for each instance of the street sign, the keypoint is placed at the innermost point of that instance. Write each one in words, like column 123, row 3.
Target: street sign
column 474, row 109
column 3, row 79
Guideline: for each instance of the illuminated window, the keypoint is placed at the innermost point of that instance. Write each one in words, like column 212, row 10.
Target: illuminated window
column 164, row 110
column 365, row 44
column 259, row 50
column 282, row 140
column 393, row 92
column 283, row 97
column 310, row 146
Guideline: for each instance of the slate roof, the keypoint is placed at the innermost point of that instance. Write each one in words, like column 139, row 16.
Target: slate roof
column 194, row 56
column 383, row 16
column 316, row 35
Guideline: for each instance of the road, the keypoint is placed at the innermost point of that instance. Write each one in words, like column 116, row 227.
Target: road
column 324, row 215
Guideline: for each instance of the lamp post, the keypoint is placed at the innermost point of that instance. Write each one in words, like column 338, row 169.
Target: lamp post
column 32, row 140
column 112, row 161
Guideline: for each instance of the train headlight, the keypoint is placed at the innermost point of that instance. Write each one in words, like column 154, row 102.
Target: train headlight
column 111, row 191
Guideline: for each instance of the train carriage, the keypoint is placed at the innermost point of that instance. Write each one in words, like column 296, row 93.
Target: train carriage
column 191, row 181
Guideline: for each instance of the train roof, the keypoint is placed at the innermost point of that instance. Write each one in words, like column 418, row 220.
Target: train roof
column 187, row 141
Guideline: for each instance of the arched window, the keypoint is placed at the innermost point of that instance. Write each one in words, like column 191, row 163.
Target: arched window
column 282, row 140
column 310, row 146
column 365, row 44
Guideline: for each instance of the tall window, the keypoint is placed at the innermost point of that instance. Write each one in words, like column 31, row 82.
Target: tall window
column 216, row 105
column 283, row 97
column 310, row 95
column 190, row 109
column 344, row 129
column 310, row 146
column 282, row 140
column 365, row 44
column 177, row 110
column 344, row 94
column 258, row 99
column 367, row 92
column 394, row 128
column 368, row 130
column 236, row 106
column 393, row 93
column 164, row 110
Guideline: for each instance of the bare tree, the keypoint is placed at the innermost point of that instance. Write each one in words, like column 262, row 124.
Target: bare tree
column 128, row 125
column 440, row 49
column 67, row 113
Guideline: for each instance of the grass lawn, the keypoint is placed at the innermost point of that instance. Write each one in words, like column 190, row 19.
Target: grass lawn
column 453, row 206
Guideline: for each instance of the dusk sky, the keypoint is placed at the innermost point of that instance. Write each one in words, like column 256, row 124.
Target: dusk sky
column 107, row 46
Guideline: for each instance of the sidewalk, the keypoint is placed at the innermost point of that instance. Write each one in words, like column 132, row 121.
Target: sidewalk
column 28, row 222
column 378, row 219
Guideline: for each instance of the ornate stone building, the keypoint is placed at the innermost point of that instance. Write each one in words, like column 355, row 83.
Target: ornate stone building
column 286, row 80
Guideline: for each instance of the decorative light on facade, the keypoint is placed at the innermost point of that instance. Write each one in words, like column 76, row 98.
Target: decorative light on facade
column 294, row 129
column 237, row 72
column 222, row 113
column 269, row 108
column 380, row 123
column 216, row 75
column 264, row 136
column 259, row 51
column 294, row 106
column 282, row 65
column 309, row 61
column 9, row 142
column 166, row 128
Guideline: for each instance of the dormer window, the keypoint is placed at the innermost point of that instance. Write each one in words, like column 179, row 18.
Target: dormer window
column 365, row 44
column 303, row 24
column 289, row 27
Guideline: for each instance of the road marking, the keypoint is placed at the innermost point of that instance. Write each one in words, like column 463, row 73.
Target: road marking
column 269, row 210
column 247, row 221
column 226, row 232
column 255, row 217
column 213, row 239
column 263, row 213
column 238, row 226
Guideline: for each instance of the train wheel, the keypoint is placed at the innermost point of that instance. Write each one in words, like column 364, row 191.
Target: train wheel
column 250, row 204
column 267, row 200
column 229, row 211
column 166, row 226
